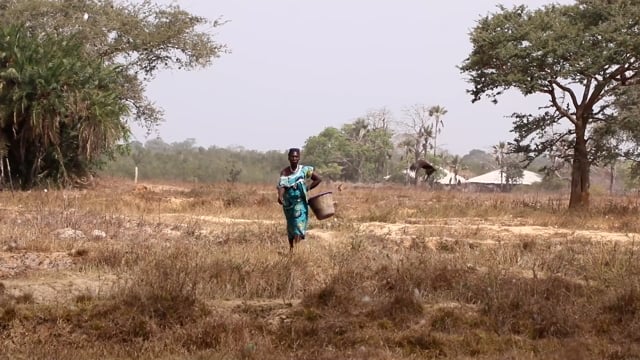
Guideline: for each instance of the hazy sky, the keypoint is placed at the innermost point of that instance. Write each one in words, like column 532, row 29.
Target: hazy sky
column 299, row 66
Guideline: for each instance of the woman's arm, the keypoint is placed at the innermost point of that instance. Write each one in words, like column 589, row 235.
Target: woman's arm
column 281, row 189
column 315, row 180
column 280, row 195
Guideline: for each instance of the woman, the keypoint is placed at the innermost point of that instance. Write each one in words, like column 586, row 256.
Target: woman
column 292, row 195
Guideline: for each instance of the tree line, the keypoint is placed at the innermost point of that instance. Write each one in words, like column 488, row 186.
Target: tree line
column 185, row 161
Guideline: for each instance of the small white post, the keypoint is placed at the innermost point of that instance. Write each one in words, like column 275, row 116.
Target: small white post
column 9, row 172
column 135, row 178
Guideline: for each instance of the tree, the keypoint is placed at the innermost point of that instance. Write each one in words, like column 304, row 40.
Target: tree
column 379, row 118
column 379, row 121
column 233, row 172
column 359, row 151
column 60, row 109
column 455, row 165
column 328, row 152
column 369, row 150
column 142, row 37
column 627, row 132
column 478, row 161
column 513, row 171
column 610, row 143
column 356, row 134
column 114, row 48
column 499, row 153
column 577, row 56
column 417, row 131
column 437, row 112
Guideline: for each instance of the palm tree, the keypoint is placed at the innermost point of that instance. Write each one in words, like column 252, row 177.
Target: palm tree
column 418, row 128
column 437, row 112
column 499, row 153
column 407, row 145
column 60, row 109
column 425, row 133
column 455, row 165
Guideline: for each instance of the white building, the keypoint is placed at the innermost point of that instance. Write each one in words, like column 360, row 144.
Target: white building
column 493, row 177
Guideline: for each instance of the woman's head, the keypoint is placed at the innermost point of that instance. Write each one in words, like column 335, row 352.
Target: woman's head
column 294, row 156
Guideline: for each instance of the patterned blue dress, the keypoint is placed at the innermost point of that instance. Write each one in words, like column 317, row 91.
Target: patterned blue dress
column 296, row 209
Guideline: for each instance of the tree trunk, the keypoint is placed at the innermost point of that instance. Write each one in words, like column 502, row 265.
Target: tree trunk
column 435, row 140
column 612, row 177
column 580, row 172
column 416, row 156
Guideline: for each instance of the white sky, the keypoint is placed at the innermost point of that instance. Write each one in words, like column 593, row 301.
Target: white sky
column 299, row 66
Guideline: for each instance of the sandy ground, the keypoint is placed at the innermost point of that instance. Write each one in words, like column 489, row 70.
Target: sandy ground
column 49, row 277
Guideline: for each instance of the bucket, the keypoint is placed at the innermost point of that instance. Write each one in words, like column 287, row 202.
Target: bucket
column 322, row 205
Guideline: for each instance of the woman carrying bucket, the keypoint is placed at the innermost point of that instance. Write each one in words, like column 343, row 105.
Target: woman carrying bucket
column 292, row 195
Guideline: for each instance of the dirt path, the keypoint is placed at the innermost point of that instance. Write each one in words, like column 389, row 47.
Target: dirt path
column 20, row 262
column 401, row 230
column 49, row 276
column 59, row 286
column 499, row 231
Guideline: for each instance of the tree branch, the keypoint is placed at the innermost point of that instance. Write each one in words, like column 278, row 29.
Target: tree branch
column 587, row 89
column 599, row 88
column 568, row 90
column 556, row 104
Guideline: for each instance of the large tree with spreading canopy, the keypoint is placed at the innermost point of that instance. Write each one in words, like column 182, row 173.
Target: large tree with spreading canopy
column 60, row 110
column 121, row 45
column 578, row 56
column 358, row 151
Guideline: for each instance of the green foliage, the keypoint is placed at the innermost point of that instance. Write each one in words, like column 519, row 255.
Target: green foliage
column 513, row 172
column 551, row 183
column 631, row 176
column 233, row 173
column 478, row 162
column 578, row 56
column 328, row 152
column 143, row 37
column 359, row 151
column 60, row 109
column 627, row 131
column 183, row 161
column 454, row 164
column 74, row 74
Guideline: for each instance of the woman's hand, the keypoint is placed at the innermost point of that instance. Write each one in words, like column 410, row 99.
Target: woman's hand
column 281, row 195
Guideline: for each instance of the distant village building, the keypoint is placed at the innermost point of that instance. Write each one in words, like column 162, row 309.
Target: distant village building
column 495, row 181
column 495, row 177
column 492, row 181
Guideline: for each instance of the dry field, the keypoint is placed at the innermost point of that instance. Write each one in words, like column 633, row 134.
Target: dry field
column 203, row 272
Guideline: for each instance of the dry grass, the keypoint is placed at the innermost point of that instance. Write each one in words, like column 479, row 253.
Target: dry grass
column 175, row 271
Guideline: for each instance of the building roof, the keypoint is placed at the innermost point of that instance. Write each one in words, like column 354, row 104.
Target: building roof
column 493, row 177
